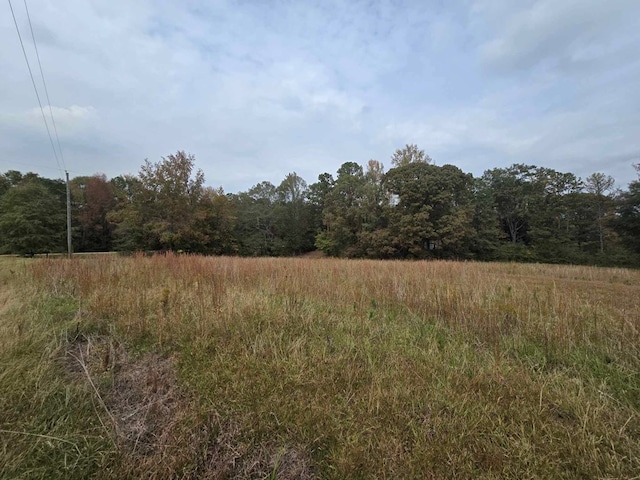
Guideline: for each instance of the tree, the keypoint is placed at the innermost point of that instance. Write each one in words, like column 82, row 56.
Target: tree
column 433, row 211
column 293, row 215
column 173, row 191
column 599, row 184
column 628, row 220
column 343, row 213
column 32, row 219
column 581, row 227
column 486, row 224
column 256, row 226
column 513, row 190
column 128, row 214
column 14, row 177
column 542, row 213
column 409, row 154
column 374, row 200
column 316, row 196
column 93, row 198
column 374, row 195
column 162, row 209
column 217, row 219
column 5, row 184
column 550, row 233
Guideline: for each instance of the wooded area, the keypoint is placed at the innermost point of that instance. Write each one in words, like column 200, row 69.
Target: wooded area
column 414, row 210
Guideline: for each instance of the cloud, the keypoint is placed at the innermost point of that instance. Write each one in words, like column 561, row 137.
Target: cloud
column 24, row 130
column 256, row 90
column 549, row 31
column 68, row 120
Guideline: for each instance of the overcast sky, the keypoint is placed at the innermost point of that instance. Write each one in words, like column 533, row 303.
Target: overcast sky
column 258, row 89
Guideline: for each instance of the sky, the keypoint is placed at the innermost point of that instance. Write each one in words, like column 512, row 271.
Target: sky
column 257, row 89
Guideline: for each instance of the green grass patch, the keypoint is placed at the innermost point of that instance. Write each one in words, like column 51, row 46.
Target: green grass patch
column 49, row 427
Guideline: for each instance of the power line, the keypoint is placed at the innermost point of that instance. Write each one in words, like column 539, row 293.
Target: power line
column 39, row 166
column 34, row 165
column 34, row 86
column 46, row 91
column 69, row 243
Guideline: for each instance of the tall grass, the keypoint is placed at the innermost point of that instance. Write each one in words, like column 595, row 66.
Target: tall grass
column 48, row 427
column 369, row 369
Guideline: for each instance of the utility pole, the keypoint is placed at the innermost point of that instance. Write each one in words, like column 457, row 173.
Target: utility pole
column 69, row 248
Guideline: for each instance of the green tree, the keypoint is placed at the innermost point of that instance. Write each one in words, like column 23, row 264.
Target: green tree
column 539, row 211
column 372, row 241
column 514, row 190
column 599, row 185
column 316, row 196
column 550, row 230
column 5, row 184
column 216, row 218
column 343, row 213
column 161, row 208
column 628, row 219
column 13, row 178
column 32, row 219
column 581, row 226
column 256, row 226
column 294, row 215
column 173, row 191
column 432, row 211
column 127, row 216
column 485, row 242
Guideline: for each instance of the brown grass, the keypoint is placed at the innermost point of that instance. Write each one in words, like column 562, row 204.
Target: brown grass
column 296, row 368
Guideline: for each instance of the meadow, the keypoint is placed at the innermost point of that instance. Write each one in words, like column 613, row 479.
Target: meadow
column 218, row 367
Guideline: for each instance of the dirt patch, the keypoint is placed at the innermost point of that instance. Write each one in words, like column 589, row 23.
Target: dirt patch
column 228, row 455
column 156, row 429
column 146, row 402
column 139, row 396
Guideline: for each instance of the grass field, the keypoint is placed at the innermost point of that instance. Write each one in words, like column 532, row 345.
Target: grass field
column 193, row 367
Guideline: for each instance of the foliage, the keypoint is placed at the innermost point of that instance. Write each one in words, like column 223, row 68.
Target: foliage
column 628, row 221
column 513, row 191
column 434, row 210
column 163, row 207
column 32, row 218
column 316, row 197
column 127, row 215
column 487, row 236
column 409, row 154
column 343, row 212
column 217, row 219
column 415, row 210
column 293, row 215
column 93, row 198
column 257, row 223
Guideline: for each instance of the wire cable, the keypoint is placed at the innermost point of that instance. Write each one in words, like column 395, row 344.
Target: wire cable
column 39, row 166
column 46, row 90
column 55, row 154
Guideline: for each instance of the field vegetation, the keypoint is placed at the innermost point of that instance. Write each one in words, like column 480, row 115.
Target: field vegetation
column 221, row 367
column 415, row 210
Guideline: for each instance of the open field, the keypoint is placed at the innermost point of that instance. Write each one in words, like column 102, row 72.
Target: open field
column 193, row 367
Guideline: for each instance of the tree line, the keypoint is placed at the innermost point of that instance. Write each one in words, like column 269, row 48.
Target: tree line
column 415, row 210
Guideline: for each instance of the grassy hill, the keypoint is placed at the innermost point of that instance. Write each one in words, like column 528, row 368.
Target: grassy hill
column 194, row 367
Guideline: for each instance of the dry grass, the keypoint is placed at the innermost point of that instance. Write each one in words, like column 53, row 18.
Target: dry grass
column 303, row 368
